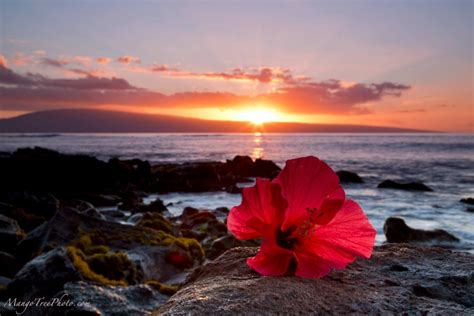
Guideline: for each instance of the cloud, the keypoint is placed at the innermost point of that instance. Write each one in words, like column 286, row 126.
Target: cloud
column 261, row 75
column 103, row 60
column 65, row 61
column 3, row 61
column 36, row 82
column 54, row 62
column 128, row 60
column 325, row 97
column 21, row 59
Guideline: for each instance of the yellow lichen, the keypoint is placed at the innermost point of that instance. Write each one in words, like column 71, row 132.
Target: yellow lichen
column 79, row 261
column 162, row 288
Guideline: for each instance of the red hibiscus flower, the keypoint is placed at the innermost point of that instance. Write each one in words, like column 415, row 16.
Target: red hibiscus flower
column 303, row 217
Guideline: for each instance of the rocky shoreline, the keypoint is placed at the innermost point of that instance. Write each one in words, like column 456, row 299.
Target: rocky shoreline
column 77, row 227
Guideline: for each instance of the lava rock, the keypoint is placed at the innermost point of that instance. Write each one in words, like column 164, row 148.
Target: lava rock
column 409, row 186
column 349, row 177
column 397, row 231
column 227, row 286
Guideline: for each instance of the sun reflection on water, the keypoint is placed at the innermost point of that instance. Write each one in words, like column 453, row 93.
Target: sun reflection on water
column 257, row 151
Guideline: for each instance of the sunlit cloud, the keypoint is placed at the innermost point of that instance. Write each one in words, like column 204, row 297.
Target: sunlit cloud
column 327, row 97
column 128, row 60
column 103, row 60
column 3, row 61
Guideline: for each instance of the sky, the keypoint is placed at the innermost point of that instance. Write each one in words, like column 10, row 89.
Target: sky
column 398, row 63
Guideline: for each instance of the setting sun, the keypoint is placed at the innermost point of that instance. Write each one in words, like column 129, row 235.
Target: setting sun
column 258, row 116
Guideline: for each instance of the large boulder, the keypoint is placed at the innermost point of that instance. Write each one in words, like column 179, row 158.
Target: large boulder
column 409, row 186
column 44, row 276
column 398, row 279
column 397, row 231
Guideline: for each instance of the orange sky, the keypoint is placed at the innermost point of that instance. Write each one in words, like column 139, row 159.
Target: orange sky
column 335, row 63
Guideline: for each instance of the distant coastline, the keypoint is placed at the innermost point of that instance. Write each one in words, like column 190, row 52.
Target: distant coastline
column 100, row 121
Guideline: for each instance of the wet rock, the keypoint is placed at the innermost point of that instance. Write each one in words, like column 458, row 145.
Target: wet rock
column 149, row 249
column 221, row 212
column 234, row 189
column 470, row 210
column 109, row 300
column 113, row 214
column 409, row 186
column 244, row 166
column 25, row 219
column 157, row 206
column 4, row 281
column 92, row 212
column 188, row 177
column 224, row 243
column 349, row 177
column 135, row 218
column 10, row 233
column 469, row 201
column 227, row 286
column 397, row 231
column 44, row 276
column 43, row 204
column 131, row 201
column 100, row 200
column 9, row 266
column 210, row 176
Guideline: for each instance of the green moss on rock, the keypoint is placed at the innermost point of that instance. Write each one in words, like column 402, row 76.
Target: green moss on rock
column 156, row 221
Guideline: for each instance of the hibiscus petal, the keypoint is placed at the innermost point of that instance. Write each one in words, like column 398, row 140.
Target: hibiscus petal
column 312, row 267
column 260, row 213
column 271, row 260
column 305, row 184
column 347, row 236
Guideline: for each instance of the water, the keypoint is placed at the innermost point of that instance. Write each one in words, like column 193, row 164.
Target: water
column 445, row 162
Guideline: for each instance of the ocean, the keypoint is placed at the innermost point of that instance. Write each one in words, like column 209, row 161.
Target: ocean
column 444, row 162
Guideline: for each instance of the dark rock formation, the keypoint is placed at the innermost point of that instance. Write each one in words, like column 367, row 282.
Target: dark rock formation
column 44, row 276
column 425, row 281
column 45, row 170
column 136, row 300
column 211, row 176
column 243, row 166
column 10, row 233
column 9, row 266
column 397, row 231
column 469, row 201
column 409, row 186
column 157, row 206
column 349, row 177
